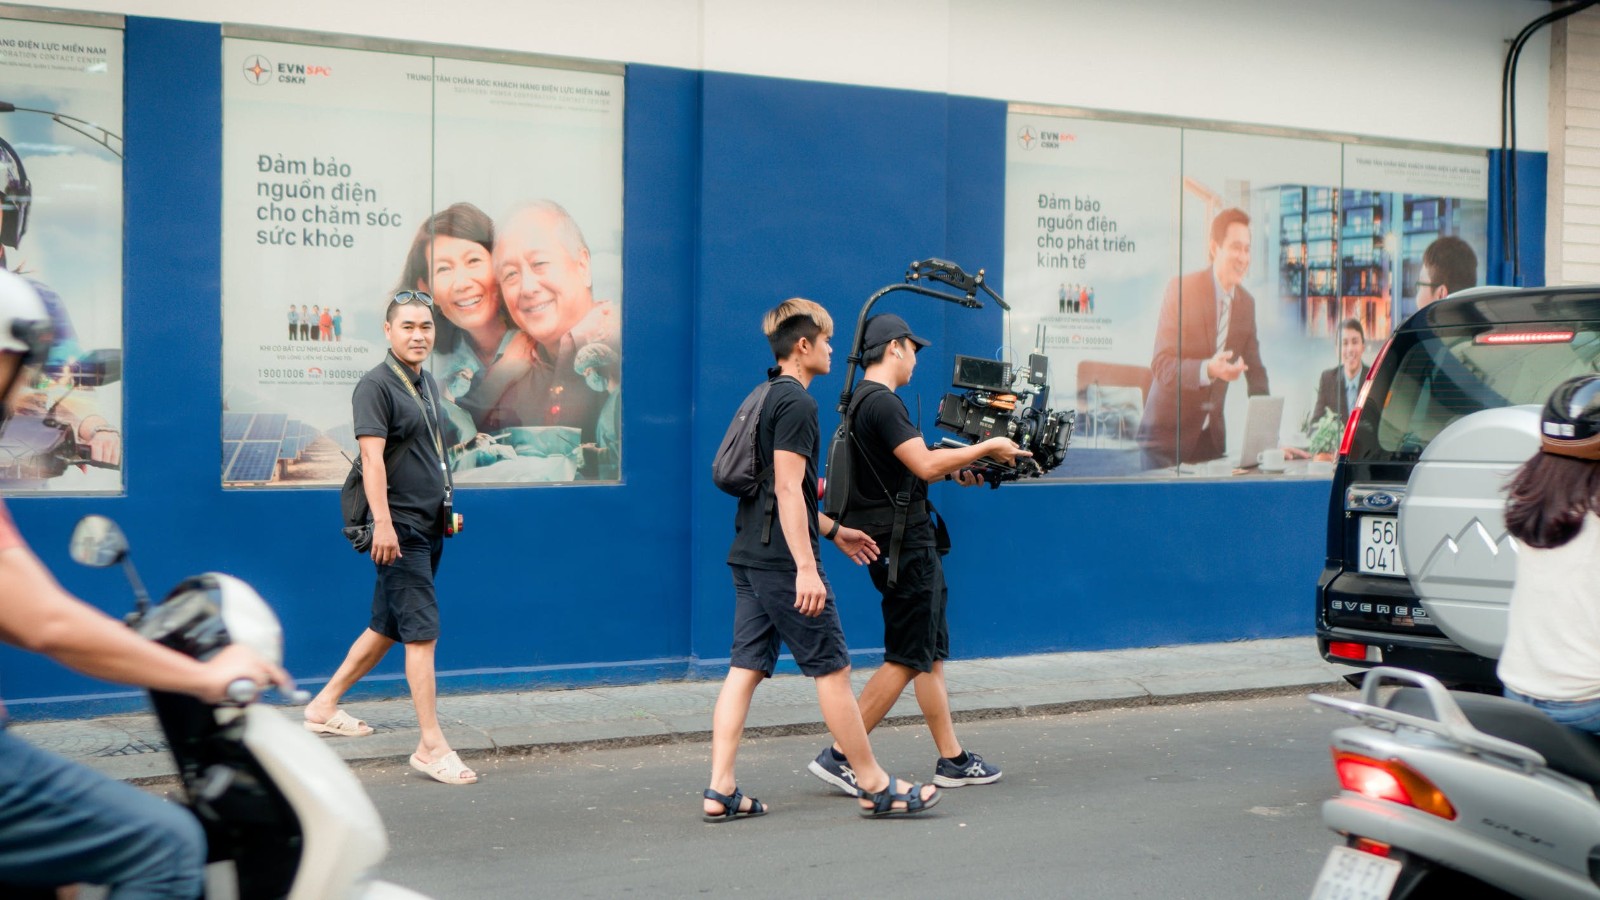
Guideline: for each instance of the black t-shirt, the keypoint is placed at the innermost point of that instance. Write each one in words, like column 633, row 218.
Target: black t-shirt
column 882, row 423
column 382, row 407
column 788, row 422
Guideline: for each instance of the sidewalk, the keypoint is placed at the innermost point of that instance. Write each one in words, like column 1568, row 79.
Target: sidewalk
column 479, row 725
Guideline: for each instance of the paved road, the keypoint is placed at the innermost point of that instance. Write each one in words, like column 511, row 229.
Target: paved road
column 1212, row 800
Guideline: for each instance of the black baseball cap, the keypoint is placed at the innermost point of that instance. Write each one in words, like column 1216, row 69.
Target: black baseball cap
column 882, row 329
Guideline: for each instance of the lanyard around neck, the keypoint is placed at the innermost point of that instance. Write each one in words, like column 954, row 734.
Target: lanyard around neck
column 427, row 420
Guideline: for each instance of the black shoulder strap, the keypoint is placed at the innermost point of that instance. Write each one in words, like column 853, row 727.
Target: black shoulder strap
column 769, row 492
column 861, row 453
column 900, row 500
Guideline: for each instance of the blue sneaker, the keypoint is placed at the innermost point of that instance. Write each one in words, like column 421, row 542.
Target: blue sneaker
column 948, row 774
column 835, row 771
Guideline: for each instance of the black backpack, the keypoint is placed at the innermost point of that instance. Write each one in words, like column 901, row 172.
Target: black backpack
column 841, row 462
column 738, row 468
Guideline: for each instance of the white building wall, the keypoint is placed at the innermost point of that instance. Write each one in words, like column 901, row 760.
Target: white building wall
column 1572, row 254
column 1426, row 70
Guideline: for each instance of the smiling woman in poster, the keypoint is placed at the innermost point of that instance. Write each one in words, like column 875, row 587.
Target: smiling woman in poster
column 450, row 258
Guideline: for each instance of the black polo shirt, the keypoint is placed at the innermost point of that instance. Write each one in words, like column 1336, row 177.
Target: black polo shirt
column 382, row 407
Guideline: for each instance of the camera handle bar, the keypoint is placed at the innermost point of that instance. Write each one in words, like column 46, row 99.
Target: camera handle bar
column 924, row 270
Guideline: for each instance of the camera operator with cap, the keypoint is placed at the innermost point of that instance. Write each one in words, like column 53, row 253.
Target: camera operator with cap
column 891, row 467
column 63, row 822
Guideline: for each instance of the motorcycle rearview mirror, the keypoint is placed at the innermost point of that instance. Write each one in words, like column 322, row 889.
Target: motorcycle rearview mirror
column 98, row 542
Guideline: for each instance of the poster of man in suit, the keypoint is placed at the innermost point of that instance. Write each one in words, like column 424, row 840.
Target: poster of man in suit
column 1223, row 266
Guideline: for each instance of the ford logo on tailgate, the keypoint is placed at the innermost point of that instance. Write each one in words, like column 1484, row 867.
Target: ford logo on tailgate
column 1374, row 498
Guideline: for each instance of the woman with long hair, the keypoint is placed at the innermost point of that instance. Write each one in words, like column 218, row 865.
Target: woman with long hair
column 1551, row 658
column 450, row 258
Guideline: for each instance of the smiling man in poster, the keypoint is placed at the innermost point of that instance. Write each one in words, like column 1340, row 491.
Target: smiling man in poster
column 541, row 261
column 1205, row 341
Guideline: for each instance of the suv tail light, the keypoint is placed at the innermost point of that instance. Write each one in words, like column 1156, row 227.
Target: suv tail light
column 1355, row 651
column 1350, row 427
column 1523, row 337
column 1361, row 400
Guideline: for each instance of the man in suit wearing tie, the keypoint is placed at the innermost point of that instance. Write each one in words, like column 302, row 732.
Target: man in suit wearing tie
column 1205, row 340
column 1339, row 385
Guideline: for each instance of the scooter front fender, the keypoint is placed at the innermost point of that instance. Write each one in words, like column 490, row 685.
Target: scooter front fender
column 386, row 890
column 344, row 836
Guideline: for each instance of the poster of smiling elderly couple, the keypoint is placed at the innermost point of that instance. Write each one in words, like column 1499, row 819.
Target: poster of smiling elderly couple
column 352, row 176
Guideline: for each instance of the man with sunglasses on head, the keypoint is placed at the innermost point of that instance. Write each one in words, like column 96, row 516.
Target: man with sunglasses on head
column 398, row 426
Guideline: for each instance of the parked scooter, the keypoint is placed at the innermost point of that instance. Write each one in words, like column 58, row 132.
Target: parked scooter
column 283, row 815
column 1456, row 794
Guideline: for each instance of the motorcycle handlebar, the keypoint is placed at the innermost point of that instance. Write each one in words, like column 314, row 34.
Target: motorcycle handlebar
column 242, row 691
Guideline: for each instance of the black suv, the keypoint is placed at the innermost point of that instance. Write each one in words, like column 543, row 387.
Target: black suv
column 1481, row 349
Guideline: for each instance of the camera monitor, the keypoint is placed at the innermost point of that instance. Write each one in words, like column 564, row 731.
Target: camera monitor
column 981, row 374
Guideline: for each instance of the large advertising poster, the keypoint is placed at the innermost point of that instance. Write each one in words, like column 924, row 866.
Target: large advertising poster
column 1091, row 238
column 495, row 189
column 1213, row 299
column 61, row 227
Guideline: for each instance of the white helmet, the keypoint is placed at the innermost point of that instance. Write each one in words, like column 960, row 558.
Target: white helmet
column 24, row 321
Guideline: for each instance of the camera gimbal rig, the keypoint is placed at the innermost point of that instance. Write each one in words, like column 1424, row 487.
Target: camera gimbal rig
column 923, row 270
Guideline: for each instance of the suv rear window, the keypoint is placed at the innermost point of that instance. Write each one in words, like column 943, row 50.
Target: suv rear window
column 1444, row 374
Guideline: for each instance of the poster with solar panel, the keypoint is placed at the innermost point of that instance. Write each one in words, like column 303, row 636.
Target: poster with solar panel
column 358, row 183
column 61, row 228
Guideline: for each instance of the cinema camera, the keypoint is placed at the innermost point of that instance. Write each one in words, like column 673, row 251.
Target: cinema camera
column 999, row 403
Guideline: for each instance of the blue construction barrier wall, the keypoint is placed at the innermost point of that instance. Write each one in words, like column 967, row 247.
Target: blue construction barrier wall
column 740, row 191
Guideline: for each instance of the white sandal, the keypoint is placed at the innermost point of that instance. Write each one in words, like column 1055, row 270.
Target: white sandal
column 448, row 768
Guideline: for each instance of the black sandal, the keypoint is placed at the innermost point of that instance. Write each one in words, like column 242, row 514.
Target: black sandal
column 883, row 801
column 730, row 807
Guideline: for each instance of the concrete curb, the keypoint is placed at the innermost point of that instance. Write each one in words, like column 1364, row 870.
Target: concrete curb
column 482, row 726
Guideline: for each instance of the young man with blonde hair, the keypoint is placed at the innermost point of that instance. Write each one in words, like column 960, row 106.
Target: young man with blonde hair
column 780, row 591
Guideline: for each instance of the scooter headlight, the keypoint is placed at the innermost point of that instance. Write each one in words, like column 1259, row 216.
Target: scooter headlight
column 206, row 613
column 250, row 621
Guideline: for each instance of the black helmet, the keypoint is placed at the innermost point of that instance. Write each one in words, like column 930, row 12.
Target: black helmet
column 1570, row 425
column 15, row 195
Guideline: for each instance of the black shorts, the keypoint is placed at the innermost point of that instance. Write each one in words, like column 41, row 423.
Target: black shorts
column 404, row 606
column 763, row 612
column 915, row 630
